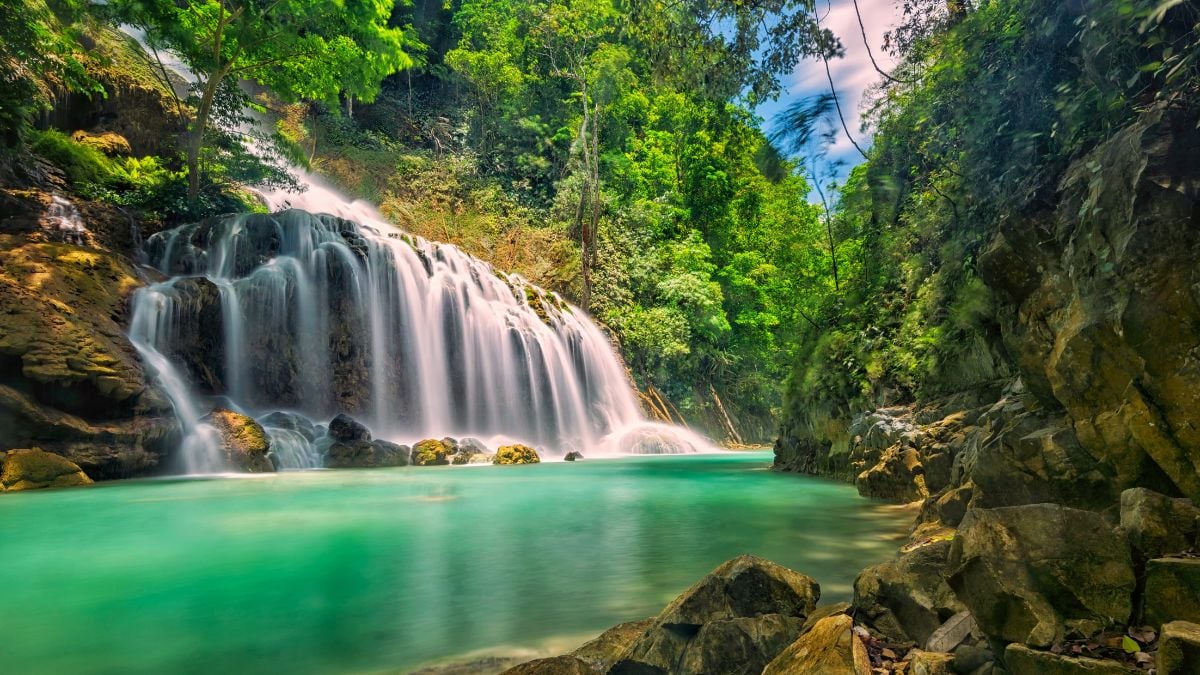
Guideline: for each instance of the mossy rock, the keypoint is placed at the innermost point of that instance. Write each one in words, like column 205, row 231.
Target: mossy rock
column 431, row 452
column 35, row 469
column 243, row 440
column 107, row 142
column 516, row 454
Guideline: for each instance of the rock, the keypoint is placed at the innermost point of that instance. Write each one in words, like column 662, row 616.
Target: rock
column 746, row 586
column 291, row 422
column 516, row 454
column 1157, row 525
column 35, row 469
column 741, row 646
column 928, row 663
column 897, row 477
column 830, row 648
column 1179, row 649
column 558, row 665
column 952, row 633
column 1040, row 573
column 1172, row 590
column 604, row 651
column 470, row 451
column 346, row 429
column 906, row 599
column 572, row 456
column 970, row 658
column 107, row 142
column 472, row 445
column 244, row 442
column 367, row 454
column 823, row 612
column 1021, row 660
column 430, row 452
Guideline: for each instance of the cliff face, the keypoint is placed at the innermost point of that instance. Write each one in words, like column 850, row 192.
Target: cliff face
column 1029, row 514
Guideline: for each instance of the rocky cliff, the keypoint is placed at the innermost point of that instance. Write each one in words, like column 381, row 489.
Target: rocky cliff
column 1038, row 493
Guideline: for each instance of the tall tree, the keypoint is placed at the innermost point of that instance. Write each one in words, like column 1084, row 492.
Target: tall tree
column 298, row 48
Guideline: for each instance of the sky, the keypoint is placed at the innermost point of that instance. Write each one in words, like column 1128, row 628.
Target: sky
column 852, row 75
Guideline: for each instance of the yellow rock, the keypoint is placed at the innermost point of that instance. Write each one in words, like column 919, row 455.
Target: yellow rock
column 830, row 648
column 516, row 454
column 34, row 469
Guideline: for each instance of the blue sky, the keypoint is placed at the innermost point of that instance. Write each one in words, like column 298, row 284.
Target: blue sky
column 852, row 75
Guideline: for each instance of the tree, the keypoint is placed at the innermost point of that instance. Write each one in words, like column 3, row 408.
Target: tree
column 298, row 48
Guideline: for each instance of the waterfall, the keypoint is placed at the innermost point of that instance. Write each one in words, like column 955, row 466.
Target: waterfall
column 322, row 307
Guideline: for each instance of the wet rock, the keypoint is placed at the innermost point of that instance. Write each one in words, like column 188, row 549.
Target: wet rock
column 746, row 586
column 1156, row 524
column 291, row 422
column 921, row 662
column 1179, row 649
column 558, row 665
column 346, row 429
column 243, row 441
column 831, row 648
column 1172, row 590
column 516, row 454
column 430, row 452
column 573, row 456
column 35, row 469
column 1039, row 573
column 825, row 611
column 1021, row 660
column 367, row 454
column 907, row 599
column 604, row 651
column 470, row 451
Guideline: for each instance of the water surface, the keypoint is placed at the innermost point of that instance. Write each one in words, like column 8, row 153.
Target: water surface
column 386, row 569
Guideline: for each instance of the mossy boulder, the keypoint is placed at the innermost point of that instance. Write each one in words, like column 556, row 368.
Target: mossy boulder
column 1021, row 660
column 35, row 469
column 107, row 142
column 907, row 599
column 1172, row 590
column 1179, row 649
column 243, row 441
column 516, row 454
column 831, row 648
column 556, row 665
column 431, row 452
column 604, row 651
column 346, row 429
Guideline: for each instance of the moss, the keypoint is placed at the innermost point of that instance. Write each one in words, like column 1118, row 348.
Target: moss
column 35, row 469
column 108, row 143
column 431, row 452
column 82, row 163
column 244, row 441
column 516, row 454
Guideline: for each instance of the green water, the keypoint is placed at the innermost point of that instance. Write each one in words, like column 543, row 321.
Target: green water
column 382, row 570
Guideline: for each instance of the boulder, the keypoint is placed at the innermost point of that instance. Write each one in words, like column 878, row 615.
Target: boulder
column 346, row 429
column 1021, row 660
column 830, row 648
column 825, row 611
column 573, row 456
column 430, row 452
column 741, row 646
column 291, row 422
column 35, row 469
column 970, row 658
column 921, row 662
column 1157, row 525
column 367, row 454
column 733, row 621
column 107, row 142
column 1040, row 573
column 469, row 451
column 516, row 454
column 243, row 441
column 557, row 665
column 906, row 599
column 897, row 477
column 1179, row 649
column 604, row 651
column 1172, row 591
column 746, row 586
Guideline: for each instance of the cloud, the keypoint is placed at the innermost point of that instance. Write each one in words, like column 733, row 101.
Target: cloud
column 852, row 75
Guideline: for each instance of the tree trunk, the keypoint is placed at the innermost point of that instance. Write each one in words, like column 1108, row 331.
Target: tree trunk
column 196, row 136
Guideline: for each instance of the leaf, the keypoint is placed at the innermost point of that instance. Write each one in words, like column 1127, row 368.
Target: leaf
column 1130, row 645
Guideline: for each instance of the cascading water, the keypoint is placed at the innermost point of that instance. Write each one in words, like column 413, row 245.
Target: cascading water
column 342, row 312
